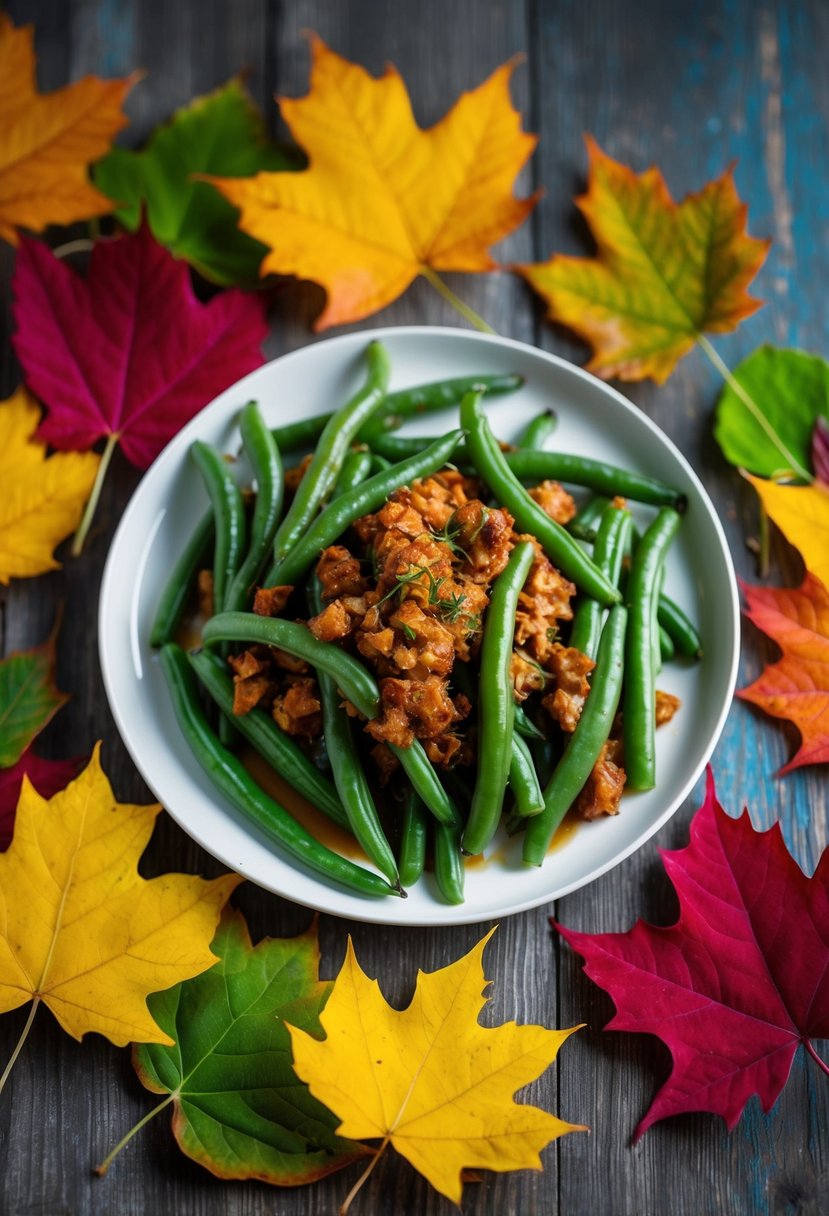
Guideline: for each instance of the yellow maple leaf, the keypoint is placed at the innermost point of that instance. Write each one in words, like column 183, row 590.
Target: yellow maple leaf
column 802, row 515
column 43, row 497
column 383, row 201
column 429, row 1079
column 80, row 930
column 665, row 272
column 47, row 141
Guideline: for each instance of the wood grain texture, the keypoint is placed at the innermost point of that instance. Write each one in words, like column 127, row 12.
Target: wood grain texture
column 689, row 86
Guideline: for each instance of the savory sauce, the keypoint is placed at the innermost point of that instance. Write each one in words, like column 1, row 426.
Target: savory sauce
column 568, row 827
column 314, row 821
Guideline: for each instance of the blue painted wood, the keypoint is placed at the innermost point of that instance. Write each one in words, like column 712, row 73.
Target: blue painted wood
column 690, row 87
column 692, row 93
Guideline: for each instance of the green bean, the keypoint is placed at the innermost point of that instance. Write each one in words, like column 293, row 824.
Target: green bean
column 448, row 860
column 538, row 431
column 595, row 475
column 523, row 780
column 639, row 710
column 331, row 450
column 667, row 650
column 266, row 465
column 379, row 464
column 179, row 585
column 586, row 742
column 356, row 468
column 295, row 436
column 656, row 644
column 347, row 770
column 369, row 496
column 582, row 532
column 417, row 767
column 496, row 704
column 356, row 682
column 238, row 787
column 533, row 466
column 426, row 398
column 524, row 724
column 413, row 834
column 351, row 782
column 420, row 399
column 260, row 730
column 590, row 515
column 683, row 634
column 397, row 448
column 560, row 547
column 228, row 516
column 608, row 552
column 679, row 628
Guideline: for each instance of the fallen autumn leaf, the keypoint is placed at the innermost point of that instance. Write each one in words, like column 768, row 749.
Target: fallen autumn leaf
column 429, row 1079
column 80, row 931
column 383, row 201
column 722, row 987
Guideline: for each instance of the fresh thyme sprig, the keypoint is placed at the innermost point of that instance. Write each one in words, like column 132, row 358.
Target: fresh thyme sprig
column 450, row 607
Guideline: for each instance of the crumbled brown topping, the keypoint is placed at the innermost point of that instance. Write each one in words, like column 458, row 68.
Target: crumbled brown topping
column 666, row 706
column 295, row 475
column 605, row 785
column 297, row 711
column 554, row 500
column 570, row 669
column 270, row 601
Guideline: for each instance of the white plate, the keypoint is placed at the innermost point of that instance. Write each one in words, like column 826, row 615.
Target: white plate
column 594, row 420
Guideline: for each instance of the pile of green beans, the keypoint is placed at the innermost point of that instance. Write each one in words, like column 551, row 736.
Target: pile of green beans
column 622, row 619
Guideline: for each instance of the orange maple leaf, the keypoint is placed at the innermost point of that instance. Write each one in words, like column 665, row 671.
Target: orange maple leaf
column 383, row 201
column 664, row 273
column 47, row 141
column 796, row 687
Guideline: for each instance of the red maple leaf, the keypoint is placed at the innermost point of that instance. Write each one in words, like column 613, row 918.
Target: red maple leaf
column 47, row 776
column 738, row 982
column 129, row 352
column 797, row 685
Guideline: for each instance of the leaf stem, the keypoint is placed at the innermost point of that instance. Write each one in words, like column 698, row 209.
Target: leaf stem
column 91, row 506
column 457, row 303
column 101, row 1169
column 82, row 245
column 19, row 1045
column 358, row 1185
column 753, row 408
column 763, row 557
column 820, row 1063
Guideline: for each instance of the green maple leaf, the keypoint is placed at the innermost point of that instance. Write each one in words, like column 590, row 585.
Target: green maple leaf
column 221, row 133
column 239, row 1108
column 791, row 391
column 28, row 698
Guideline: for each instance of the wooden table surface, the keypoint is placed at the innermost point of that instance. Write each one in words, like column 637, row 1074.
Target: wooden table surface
column 690, row 87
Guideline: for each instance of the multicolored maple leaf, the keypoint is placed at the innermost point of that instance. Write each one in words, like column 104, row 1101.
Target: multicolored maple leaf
column 663, row 275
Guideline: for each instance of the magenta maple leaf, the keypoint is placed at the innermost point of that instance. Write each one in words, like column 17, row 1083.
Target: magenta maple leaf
column 47, row 776
column 129, row 351
column 738, row 982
